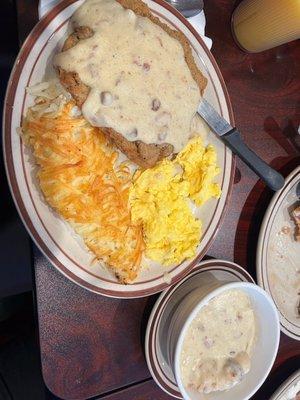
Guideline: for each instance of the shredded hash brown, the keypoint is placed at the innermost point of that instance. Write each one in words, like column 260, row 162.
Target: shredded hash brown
column 80, row 179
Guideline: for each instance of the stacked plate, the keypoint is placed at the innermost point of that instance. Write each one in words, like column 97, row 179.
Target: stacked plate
column 278, row 256
column 290, row 389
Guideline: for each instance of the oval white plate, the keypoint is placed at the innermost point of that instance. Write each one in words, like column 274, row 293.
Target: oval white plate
column 155, row 341
column 278, row 256
column 47, row 229
column 288, row 388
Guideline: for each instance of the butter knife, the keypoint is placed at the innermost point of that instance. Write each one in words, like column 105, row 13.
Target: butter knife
column 231, row 136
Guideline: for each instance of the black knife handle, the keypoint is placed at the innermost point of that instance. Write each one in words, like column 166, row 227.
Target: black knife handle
column 272, row 178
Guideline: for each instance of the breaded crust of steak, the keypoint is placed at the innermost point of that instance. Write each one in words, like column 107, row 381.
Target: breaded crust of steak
column 143, row 154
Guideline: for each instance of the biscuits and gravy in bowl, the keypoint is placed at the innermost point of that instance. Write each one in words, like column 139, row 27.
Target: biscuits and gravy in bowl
column 223, row 341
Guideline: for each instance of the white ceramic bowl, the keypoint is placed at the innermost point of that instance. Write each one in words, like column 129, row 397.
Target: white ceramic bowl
column 265, row 348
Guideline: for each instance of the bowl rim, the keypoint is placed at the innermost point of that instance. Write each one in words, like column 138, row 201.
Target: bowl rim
column 202, row 303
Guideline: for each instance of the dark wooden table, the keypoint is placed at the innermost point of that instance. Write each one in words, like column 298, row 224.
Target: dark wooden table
column 92, row 345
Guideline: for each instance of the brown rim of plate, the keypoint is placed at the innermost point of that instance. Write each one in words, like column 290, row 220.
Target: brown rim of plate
column 11, row 173
column 151, row 335
column 264, row 238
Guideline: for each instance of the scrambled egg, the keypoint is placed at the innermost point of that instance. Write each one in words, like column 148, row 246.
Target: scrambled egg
column 160, row 199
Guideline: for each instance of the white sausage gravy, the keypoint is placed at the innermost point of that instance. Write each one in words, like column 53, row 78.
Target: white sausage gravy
column 217, row 347
column 140, row 84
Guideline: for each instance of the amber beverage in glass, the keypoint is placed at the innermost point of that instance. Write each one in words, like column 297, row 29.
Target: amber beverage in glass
column 258, row 25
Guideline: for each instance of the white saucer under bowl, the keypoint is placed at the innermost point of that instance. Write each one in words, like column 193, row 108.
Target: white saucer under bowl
column 162, row 311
